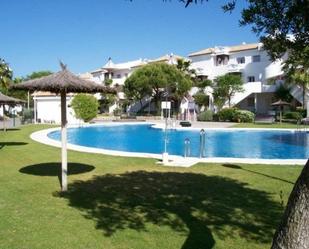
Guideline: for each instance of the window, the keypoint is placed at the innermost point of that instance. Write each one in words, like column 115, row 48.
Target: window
column 118, row 76
column 256, row 58
column 241, row 60
column 251, row 79
column 126, row 75
column 222, row 60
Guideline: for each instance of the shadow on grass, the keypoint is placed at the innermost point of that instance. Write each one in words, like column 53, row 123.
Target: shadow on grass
column 54, row 169
column 8, row 129
column 194, row 205
column 234, row 166
column 2, row 144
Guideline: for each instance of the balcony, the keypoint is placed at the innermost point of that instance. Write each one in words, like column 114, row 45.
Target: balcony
column 235, row 68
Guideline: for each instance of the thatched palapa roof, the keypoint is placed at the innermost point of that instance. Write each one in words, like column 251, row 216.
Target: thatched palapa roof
column 63, row 80
column 9, row 100
column 280, row 103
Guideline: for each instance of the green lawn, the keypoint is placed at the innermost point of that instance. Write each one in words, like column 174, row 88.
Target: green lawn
column 118, row 203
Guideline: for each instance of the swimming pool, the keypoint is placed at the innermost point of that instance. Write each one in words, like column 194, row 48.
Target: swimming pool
column 228, row 143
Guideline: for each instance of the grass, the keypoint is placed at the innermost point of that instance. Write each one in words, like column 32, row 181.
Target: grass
column 117, row 202
column 275, row 125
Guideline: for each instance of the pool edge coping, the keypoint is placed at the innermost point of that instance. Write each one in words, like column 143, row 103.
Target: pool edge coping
column 41, row 136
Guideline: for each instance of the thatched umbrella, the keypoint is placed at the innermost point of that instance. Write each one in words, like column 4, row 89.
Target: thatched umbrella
column 6, row 100
column 280, row 104
column 62, row 82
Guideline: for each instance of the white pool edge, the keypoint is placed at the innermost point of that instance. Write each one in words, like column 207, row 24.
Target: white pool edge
column 42, row 137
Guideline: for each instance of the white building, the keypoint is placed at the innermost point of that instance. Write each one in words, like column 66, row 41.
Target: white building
column 119, row 72
column 260, row 75
column 261, row 78
column 47, row 108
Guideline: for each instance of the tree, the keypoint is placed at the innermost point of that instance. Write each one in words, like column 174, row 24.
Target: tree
column 226, row 86
column 283, row 92
column 38, row 74
column 154, row 79
column 293, row 231
column 107, row 100
column 19, row 94
column 6, row 74
column 201, row 98
column 85, row 106
column 136, row 89
column 185, row 66
column 108, row 82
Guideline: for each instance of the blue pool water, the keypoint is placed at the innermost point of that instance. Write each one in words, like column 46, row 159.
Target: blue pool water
column 225, row 143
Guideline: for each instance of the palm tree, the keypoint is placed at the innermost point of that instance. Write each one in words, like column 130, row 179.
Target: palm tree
column 6, row 74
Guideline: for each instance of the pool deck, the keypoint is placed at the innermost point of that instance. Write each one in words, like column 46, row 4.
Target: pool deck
column 176, row 161
column 199, row 125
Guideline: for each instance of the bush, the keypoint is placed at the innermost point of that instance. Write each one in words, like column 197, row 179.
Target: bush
column 227, row 114
column 215, row 117
column 205, row 116
column 27, row 115
column 244, row 116
column 293, row 115
column 117, row 111
column 303, row 112
column 235, row 115
column 85, row 106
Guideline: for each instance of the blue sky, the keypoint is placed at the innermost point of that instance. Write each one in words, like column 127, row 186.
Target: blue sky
column 35, row 34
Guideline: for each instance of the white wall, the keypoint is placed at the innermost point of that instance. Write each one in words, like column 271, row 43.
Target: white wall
column 49, row 110
column 262, row 71
column 206, row 63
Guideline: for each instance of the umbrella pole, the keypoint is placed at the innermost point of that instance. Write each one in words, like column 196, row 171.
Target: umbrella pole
column 4, row 127
column 64, row 164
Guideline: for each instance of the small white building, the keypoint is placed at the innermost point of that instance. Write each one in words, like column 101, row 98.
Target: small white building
column 47, row 108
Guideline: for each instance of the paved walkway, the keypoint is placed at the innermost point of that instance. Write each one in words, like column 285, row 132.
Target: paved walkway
column 199, row 124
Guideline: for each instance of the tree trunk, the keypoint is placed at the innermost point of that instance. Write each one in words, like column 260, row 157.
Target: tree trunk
column 293, row 232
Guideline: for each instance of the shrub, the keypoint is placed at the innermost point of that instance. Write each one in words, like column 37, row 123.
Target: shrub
column 85, row 106
column 117, row 112
column 303, row 112
column 235, row 115
column 293, row 115
column 227, row 114
column 244, row 116
column 27, row 115
column 215, row 117
column 205, row 116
